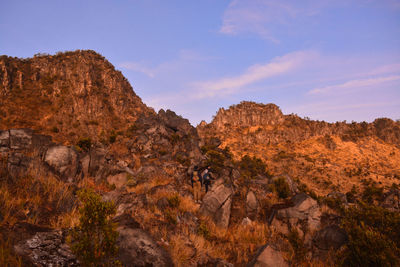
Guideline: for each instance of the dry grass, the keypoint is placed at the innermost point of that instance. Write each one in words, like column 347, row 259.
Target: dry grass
column 99, row 186
column 67, row 220
column 7, row 256
column 34, row 200
column 155, row 181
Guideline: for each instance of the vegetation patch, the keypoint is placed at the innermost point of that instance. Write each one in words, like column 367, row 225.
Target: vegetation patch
column 94, row 239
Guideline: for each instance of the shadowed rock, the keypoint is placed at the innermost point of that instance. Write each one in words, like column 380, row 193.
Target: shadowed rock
column 137, row 247
column 268, row 256
column 63, row 161
column 217, row 204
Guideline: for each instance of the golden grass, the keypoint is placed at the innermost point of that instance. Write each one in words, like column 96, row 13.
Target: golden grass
column 7, row 256
column 67, row 220
column 29, row 197
column 90, row 182
column 155, row 181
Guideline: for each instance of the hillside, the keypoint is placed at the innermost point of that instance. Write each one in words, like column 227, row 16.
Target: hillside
column 325, row 156
column 69, row 95
column 78, row 146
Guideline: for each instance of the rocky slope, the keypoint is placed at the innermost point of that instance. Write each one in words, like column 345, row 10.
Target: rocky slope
column 86, row 128
column 325, row 156
column 69, row 96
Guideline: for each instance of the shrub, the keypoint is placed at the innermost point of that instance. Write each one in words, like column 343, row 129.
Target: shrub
column 216, row 157
column 94, row 239
column 84, row 144
column 252, row 166
column 203, row 230
column 374, row 237
column 372, row 193
column 282, row 187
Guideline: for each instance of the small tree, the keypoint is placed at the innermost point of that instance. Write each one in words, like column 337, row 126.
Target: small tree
column 94, row 239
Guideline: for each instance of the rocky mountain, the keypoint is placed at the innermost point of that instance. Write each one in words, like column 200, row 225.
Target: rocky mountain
column 69, row 96
column 285, row 191
column 324, row 156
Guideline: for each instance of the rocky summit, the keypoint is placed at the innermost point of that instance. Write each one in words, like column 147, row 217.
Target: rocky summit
column 82, row 157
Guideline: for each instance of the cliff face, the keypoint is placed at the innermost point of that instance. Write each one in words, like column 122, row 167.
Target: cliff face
column 247, row 114
column 271, row 126
column 324, row 156
column 68, row 95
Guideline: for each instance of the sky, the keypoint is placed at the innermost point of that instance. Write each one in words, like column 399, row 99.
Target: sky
column 331, row 60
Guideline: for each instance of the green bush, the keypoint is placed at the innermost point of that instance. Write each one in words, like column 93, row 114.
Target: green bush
column 282, row 187
column 372, row 193
column 250, row 167
column 374, row 237
column 94, row 239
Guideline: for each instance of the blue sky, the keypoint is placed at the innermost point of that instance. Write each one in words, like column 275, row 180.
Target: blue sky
column 330, row 60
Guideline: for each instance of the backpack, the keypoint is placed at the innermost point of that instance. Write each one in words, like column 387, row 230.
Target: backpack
column 196, row 177
column 206, row 178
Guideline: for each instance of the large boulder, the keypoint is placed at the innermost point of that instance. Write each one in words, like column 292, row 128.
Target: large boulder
column 251, row 205
column 20, row 138
column 217, row 204
column 304, row 209
column 268, row 256
column 46, row 249
column 63, row 161
column 137, row 247
column 4, row 141
column 329, row 237
column 18, row 165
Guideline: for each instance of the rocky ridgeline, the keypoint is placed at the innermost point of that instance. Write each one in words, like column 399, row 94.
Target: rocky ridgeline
column 248, row 114
column 275, row 128
column 73, row 95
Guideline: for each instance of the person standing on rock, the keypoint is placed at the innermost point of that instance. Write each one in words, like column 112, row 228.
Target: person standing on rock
column 206, row 178
column 196, row 184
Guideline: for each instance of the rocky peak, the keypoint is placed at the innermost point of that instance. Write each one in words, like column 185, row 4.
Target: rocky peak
column 248, row 114
column 68, row 95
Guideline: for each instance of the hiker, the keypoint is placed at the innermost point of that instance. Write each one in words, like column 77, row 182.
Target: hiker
column 196, row 184
column 206, row 178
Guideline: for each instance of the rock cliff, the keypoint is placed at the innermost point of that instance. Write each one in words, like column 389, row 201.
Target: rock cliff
column 68, row 95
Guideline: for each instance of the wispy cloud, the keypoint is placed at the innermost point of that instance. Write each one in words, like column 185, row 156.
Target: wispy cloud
column 184, row 57
column 139, row 67
column 359, row 83
column 253, row 74
column 259, row 16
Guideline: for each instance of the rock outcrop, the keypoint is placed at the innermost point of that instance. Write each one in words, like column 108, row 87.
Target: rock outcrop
column 268, row 256
column 252, row 205
column 305, row 210
column 137, row 247
column 64, row 161
column 69, row 95
column 47, row 249
column 217, row 204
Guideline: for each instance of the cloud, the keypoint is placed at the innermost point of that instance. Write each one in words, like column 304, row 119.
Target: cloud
column 138, row 67
column 359, row 83
column 253, row 74
column 182, row 59
column 260, row 16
